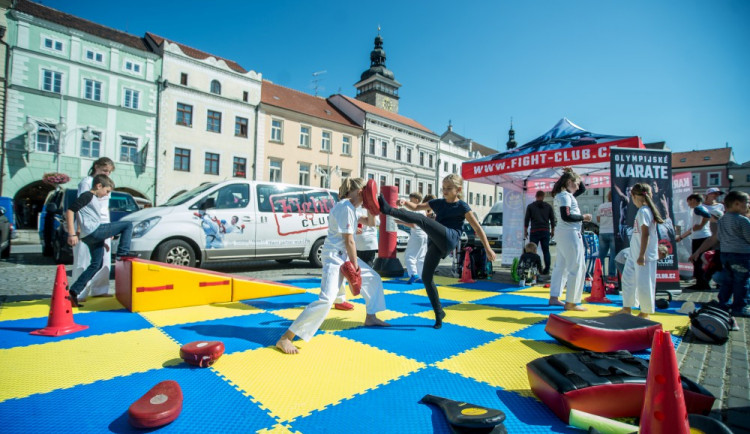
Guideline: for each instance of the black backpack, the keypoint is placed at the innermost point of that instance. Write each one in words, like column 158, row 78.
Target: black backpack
column 711, row 324
column 478, row 263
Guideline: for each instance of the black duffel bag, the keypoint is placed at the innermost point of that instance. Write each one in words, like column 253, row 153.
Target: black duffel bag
column 711, row 324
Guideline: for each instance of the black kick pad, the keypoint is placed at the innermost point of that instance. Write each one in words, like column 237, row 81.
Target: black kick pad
column 464, row 415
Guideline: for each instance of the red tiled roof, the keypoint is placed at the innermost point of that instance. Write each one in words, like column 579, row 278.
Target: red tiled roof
column 196, row 54
column 705, row 157
column 300, row 102
column 73, row 22
column 386, row 114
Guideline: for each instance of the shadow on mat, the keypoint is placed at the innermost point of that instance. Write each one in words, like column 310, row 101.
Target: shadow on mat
column 518, row 404
column 263, row 336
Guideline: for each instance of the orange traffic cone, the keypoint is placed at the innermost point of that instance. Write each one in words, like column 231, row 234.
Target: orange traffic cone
column 60, row 321
column 466, row 272
column 664, row 406
column 598, row 293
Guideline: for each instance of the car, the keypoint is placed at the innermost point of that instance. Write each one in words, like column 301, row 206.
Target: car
column 53, row 232
column 5, row 229
column 7, row 204
column 402, row 237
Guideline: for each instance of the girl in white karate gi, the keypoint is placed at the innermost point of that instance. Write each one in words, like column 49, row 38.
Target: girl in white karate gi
column 337, row 249
column 639, row 275
column 99, row 284
column 416, row 248
column 570, row 265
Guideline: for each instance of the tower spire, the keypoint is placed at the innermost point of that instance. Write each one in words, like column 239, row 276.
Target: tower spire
column 511, row 143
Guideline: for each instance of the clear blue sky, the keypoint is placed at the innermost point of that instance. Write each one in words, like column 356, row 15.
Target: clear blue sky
column 666, row 70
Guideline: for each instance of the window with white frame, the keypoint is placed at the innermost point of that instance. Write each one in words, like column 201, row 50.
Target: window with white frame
column 45, row 140
column 129, row 149
column 714, row 179
column 274, row 167
column 445, row 166
column 382, row 180
column 52, row 44
column 211, row 166
column 696, row 179
column 490, row 204
column 346, row 145
column 132, row 99
column 325, row 141
column 420, row 187
column 429, row 188
column 91, row 148
column 484, row 200
column 92, row 90
column 371, row 176
column 346, row 174
column 407, row 186
column 239, row 167
column 276, row 130
column 430, row 161
column 304, row 174
column 94, row 56
column 184, row 114
column 304, row 137
column 398, row 152
column 216, row 87
column 397, row 183
column 371, row 149
column 383, row 148
column 182, row 159
column 240, row 126
column 325, row 177
column 408, row 155
column 471, row 198
column 421, row 158
column 132, row 67
column 52, row 81
column 455, row 168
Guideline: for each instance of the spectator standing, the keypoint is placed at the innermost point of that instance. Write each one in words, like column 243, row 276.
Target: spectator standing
column 734, row 237
column 698, row 232
column 607, row 236
column 541, row 217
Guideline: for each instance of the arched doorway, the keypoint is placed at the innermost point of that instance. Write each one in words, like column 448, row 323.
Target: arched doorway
column 28, row 202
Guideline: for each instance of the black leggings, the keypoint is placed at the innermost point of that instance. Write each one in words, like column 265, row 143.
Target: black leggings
column 437, row 248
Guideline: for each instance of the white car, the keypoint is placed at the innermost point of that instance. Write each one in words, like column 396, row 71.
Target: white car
column 402, row 238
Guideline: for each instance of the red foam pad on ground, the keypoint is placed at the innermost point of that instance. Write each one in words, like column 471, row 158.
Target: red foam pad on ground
column 159, row 406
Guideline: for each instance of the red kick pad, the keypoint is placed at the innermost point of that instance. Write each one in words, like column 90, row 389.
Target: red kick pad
column 370, row 197
column 159, row 406
column 202, row 353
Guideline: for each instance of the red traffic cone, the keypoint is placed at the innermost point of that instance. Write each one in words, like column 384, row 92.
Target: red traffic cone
column 60, row 321
column 664, row 405
column 598, row 293
column 466, row 272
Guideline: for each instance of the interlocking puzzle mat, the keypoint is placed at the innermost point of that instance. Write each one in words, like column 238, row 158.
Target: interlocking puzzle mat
column 347, row 378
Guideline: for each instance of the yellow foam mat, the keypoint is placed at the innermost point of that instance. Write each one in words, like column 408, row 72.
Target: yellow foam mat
column 442, row 280
column 40, row 308
column 69, row 363
column 277, row 429
column 536, row 291
column 331, row 370
column 487, row 318
column 456, row 294
column 501, row 363
column 206, row 312
column 341, row 319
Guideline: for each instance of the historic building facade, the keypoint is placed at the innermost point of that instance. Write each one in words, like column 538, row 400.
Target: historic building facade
column 77, row 91
column 208, row 119
column 305, row 140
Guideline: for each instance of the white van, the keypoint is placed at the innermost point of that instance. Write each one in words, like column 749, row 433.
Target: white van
column 493, row 226
column 235, row 220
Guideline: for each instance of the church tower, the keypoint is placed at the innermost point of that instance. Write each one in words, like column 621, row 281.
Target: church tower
column 511, row 143
column 377, row 86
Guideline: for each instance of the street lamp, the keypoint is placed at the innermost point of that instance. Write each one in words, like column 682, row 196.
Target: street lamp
column 57, row 131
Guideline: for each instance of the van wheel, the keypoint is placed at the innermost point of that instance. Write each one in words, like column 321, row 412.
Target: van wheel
column 316, row 253
column 176, row 252
column 6, row 252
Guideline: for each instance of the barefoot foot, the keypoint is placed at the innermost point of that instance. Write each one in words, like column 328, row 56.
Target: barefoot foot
column 554, row 301
column 644, row 315
column 286, row 346
column 573, row 306
column 621, row 312
column 372, row 320
column 439, row 319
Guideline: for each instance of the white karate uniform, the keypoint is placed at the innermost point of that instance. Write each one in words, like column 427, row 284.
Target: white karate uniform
column 416, row 249
column 99, row 284
column 342, row 220
column 639, row 281
column 570, row 262
column 367, row 240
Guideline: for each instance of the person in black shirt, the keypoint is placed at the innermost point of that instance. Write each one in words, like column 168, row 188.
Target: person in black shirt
column 444, row 232
column 541, row 216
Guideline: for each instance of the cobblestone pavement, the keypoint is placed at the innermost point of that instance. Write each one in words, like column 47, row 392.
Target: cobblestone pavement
column 722, row 369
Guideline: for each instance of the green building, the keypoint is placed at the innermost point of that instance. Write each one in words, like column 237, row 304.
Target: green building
column 76, row 91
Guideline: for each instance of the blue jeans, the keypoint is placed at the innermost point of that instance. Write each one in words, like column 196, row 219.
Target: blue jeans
column 541, row 238
column 734, row 285
column 607, row 250
column 95, row 243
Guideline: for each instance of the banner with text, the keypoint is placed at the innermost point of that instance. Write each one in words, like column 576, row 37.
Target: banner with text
column 682, row 187
column 514, row 209
column 654, row 167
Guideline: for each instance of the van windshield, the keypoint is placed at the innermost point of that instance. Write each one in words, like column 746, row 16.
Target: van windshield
column 493, row 219
column 188, row 195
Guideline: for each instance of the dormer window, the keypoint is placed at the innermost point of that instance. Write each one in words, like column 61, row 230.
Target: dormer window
column 706, row 158
column 682, row 160
column 216, row 87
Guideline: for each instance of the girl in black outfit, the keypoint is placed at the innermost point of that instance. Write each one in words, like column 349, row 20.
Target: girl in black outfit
column 444, row 232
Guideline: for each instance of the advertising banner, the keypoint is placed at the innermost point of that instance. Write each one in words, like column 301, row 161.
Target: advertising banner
column 682, row 187
column 654, row 167
column 514, row 209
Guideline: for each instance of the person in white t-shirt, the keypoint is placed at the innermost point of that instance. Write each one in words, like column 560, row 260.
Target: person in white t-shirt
column 338, row 248
column 570, row 267
column 699, row 232
column 606, row 236
column 639, row 275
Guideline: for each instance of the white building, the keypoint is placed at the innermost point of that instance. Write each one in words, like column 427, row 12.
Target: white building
column 208, row 121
